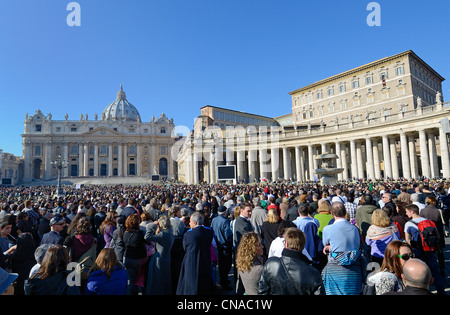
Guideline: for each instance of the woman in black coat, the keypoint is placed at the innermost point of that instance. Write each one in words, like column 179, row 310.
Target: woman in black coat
column 52, row 276
column 135, row 254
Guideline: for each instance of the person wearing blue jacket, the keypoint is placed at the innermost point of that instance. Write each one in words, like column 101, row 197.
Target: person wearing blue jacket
column 107, row 276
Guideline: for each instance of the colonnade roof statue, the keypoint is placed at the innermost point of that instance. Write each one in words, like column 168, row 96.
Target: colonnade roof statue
column 121, row 109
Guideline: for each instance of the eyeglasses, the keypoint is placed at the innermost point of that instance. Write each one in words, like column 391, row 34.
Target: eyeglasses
column 406, row 256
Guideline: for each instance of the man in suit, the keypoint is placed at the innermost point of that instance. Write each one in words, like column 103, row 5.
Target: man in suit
column 57, row 224
column 243, row 223
column 130, row 208
column 195, row 275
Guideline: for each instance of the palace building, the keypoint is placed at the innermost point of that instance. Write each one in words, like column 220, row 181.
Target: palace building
column 384, row 119
column 118, row 143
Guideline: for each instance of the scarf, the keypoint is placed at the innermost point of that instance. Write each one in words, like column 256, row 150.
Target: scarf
column 376, row 233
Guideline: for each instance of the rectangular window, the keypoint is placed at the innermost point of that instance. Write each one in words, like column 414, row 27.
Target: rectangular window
column 330, row 91
column 369, row 80
column 399, row 71
column 38, row 128
column 73, row 129
column 319, row 95
column 342, row 88
column 355, row 84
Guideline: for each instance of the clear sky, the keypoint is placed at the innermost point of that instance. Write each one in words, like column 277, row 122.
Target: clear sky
column 175, row 56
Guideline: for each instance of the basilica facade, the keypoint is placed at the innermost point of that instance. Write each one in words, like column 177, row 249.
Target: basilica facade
column 384, row 120
column 118, row 143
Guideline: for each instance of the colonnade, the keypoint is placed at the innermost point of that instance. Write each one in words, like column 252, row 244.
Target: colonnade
column 408, row 154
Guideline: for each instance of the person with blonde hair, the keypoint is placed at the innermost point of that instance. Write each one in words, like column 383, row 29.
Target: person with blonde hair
column 380, row 234
column 324, row 215
column 269, row 230
column 249, row 262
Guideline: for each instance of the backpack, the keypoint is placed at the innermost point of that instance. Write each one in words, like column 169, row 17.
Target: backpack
column 428, row 236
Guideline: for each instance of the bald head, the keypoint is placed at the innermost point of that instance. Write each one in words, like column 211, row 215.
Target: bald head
column 417, row 273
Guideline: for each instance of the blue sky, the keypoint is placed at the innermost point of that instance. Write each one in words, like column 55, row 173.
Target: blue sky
column 175, row 56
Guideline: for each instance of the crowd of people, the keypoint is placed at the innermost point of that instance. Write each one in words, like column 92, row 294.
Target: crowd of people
column 352, row 238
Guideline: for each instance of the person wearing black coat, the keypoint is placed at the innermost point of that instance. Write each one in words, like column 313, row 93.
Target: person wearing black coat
column 135, row 254
column 195, row 274
column 22, row 259
column 52, row 276
column 292, row 273
column 243, row 224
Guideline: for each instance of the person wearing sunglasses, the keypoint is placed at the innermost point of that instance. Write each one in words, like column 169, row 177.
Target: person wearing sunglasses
column 389, row 276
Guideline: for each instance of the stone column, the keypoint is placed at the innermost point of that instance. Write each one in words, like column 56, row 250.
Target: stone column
column 139, row 161
column 286, row 164
column 353, row 159
column 110, row 160
column 445, row 158
column 196, row 158
column 96, row 159
column 343, row 156
column 229, row 156
column 405, row 156
column 252, row 159
column 339, row 159
column 153, row 147
column 80, row 160
column 376, row 159
column 359, row 158
column 412, row 156
column 275, row 163
column 370, row 162
column 27, row 168
column 170, row 167
column 310, row 162
column 298, row 172
column 48, row 160
column 433, row 155
column 386, row 157
column 212, row 168
column 125, row 160
column 394, row 161
column 65, row 170
column 424, row 160
column 120, row 160
column 240, row 163
column 86, row 159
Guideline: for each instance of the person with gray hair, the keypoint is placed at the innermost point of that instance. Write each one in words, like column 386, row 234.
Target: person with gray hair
column 417, row 278
column 195, row 274
column 259, row 215
column 415, row 200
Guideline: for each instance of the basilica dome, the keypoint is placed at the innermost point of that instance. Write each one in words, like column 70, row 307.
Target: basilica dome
column 121, row 109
